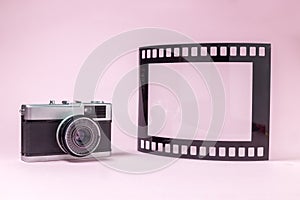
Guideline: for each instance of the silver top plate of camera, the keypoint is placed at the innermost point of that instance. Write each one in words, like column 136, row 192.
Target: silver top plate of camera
column 53, row 111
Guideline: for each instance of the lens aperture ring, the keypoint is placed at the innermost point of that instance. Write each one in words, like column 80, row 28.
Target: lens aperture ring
column 79, row 135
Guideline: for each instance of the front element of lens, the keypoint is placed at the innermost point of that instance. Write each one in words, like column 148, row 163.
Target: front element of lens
column 78, row 135
column 82, row 136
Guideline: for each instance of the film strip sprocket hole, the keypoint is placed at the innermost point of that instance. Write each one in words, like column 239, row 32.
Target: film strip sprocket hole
column 260, row 57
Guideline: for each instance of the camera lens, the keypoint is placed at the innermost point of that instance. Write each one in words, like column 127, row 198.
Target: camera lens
column 82, row 137
column 78, row 135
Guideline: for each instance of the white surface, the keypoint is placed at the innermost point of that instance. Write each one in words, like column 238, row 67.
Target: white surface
column 185, row 179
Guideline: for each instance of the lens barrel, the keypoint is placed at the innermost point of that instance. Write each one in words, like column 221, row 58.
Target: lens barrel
column 78, row 135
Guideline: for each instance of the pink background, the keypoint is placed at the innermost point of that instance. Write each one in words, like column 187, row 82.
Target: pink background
column 44, row 43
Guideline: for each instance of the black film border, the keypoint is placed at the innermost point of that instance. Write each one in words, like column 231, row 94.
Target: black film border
column 259, row 54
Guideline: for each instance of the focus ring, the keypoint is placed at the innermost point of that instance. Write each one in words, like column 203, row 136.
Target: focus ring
column 68, row 135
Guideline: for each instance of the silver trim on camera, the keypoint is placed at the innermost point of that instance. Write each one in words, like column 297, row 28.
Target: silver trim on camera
column 60, row 111
column 64, row 157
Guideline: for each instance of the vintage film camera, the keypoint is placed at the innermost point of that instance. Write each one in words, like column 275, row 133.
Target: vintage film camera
column 65, row 131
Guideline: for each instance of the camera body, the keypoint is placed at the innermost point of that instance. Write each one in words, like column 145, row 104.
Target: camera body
column 65, row 131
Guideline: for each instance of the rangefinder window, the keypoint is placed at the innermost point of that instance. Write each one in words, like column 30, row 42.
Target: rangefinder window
column 95, row 111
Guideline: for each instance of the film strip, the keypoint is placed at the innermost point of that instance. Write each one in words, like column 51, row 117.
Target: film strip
column 260, row 57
